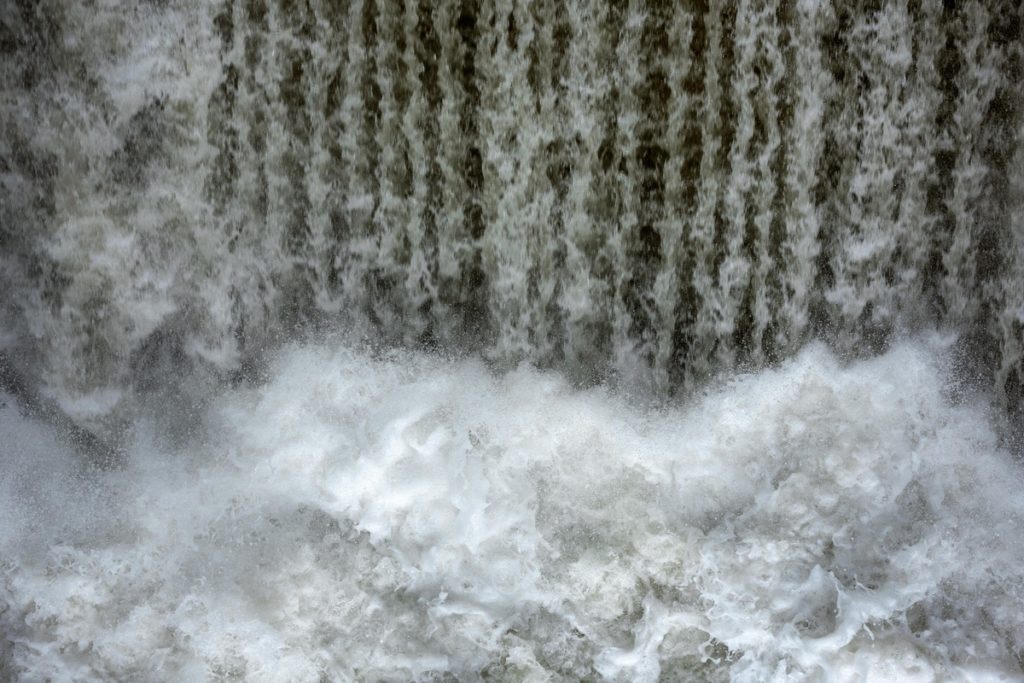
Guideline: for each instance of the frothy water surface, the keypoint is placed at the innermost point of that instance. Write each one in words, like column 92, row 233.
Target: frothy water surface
column 400, row 517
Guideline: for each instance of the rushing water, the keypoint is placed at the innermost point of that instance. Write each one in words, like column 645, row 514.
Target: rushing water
column 657, row 191
column 385, row 339
column 405, row 517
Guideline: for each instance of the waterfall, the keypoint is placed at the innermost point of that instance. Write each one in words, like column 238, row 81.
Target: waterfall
column 635, row 209
column 656, row 191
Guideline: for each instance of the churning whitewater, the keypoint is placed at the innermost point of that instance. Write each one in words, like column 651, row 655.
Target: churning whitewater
column 511, row 340
column 404, row 517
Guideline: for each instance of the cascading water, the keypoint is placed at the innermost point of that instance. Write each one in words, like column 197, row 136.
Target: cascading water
column 494, row 339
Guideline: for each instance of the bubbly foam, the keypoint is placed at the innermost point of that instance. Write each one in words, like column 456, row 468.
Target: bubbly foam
column 388, row 518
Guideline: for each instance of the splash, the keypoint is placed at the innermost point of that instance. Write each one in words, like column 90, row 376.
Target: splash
column 398, row 517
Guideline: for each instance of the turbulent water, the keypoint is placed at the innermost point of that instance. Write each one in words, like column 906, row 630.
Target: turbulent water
column 405, row 517
column 396, row 339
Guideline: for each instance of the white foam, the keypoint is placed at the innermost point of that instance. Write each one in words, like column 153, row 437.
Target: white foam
column 381, row 519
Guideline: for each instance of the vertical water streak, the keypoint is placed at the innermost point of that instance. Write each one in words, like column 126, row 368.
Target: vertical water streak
column 250, row 276
column 225, row 126
column 452, row 242
column 391, row 211
column 1005, row 293
column 648, row 251
column 549, row 161
column 670, row 291
column 419, row 131
column 705, row 332
column 358, row 146
column 584, row 296
column 302, row 92
column 734, row 271
column 920, row 134
column 626, row 245
column 1009, row 320
column 327, row 175
column 508, row 131
column 287, row 148
column 605, row 198
column 871, row 228
column 805, row 139
column 762, row 294
column 976, row 83
column 462, row 315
